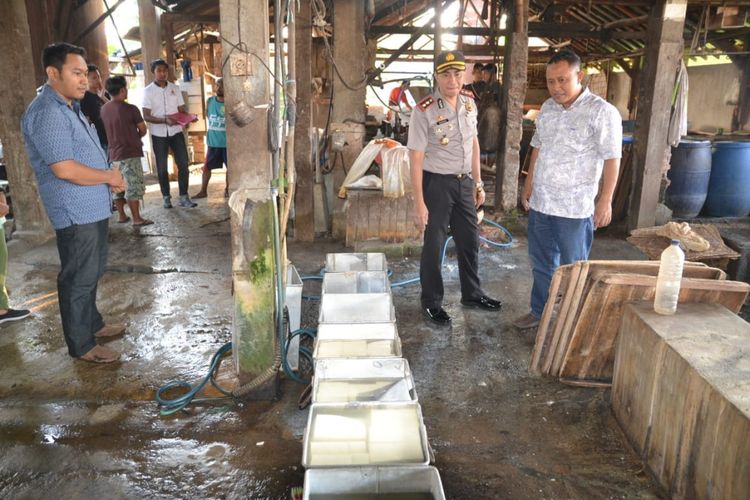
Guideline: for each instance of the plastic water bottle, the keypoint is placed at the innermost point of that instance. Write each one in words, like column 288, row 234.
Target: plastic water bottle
column 668, row 281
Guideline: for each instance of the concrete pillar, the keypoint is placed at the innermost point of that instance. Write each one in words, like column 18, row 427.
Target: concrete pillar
column 304, row 224
column 150, row 29
column 664, row 47
column 16, row 92
column 515, row 65
column 246, row 88
column 349, row 85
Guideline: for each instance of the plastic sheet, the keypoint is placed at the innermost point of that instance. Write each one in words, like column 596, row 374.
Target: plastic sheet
column 396, row 172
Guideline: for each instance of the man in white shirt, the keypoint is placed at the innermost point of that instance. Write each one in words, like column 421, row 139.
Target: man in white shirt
column 578, row 140
column 161, row 99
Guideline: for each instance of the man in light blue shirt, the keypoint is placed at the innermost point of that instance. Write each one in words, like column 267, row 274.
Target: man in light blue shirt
column 74, row 183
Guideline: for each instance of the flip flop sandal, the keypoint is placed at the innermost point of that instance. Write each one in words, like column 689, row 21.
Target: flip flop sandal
column 127, row 219
column 146, row 222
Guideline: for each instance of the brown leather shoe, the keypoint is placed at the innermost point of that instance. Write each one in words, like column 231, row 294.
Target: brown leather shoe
column 528, row 320
column 110, row 331
column 101, row 354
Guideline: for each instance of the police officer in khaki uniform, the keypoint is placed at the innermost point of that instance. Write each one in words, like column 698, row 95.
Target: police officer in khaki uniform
column 444, row 156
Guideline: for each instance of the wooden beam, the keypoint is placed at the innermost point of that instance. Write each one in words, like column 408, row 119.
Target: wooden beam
column 664, row 51
column 304, row 220
column 91, row 27
column 515, row 70
column 402, row 49
column 398, row 11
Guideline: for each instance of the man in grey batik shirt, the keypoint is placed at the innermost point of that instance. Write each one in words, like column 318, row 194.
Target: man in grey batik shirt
column 578, row 140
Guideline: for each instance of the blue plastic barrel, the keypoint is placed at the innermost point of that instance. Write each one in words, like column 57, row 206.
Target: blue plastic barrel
column 729, row 188
column 689, row 173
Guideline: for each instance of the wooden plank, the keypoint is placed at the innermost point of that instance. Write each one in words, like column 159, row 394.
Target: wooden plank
column 560, row 278
column 680, row 396
column 562, row 313
column 591, row 353
column 570, row 319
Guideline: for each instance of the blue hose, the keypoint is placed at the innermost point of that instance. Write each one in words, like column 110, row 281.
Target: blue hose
column 170, row 406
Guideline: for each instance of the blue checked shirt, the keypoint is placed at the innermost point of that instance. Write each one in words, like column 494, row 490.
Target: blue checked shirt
column 54, row 132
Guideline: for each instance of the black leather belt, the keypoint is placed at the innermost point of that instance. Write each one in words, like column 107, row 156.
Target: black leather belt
column 452, row 176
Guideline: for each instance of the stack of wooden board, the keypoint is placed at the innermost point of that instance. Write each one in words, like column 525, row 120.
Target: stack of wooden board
column 578, row 330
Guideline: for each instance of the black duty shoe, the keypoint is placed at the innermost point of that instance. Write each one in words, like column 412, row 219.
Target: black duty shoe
column 483, row 302
column 14, row 315
column 437, row 315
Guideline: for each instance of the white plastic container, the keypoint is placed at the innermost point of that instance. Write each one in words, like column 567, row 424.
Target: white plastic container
column 669, row 279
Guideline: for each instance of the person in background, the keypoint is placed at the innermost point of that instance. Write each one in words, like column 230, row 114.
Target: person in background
column 92, row 102
column 161, row 99
column 125, row 127
column 216, row 139
column 74, row 183
column 399, row 96
column 448, row 189
column 477, row 85
column 6, row 313
column 578, row 139
column 492, row 85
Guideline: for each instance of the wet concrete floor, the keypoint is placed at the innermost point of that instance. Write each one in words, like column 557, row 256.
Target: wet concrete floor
column 69, row 429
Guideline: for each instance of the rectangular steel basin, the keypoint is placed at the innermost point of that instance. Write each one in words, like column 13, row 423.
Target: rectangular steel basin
column 358, row 331
column 293, row 302
column 362, row 434
column 356, row 282
column 342, row 262
column 353, row 308
column 345, row 380
column 357, row 348
column 420, row 482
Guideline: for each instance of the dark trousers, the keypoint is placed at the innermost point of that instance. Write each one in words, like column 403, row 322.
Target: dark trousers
column 450, row 203
column 161, row 147
column 83, row 257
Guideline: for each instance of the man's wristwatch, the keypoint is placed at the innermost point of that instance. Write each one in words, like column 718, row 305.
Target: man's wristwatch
column 480, row 186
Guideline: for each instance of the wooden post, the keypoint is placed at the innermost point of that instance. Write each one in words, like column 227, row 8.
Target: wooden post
column 664, row 48
column 16, row 92
column 514, row 92
column 246, row 85
column 349, row 86
column 742, row 111
column 304, row 225
column 150, row 30
column 437, row 38
column 168, row 26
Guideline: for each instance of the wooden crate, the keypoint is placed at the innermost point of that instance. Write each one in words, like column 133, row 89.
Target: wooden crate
column 680, row 394
column 371, row 216
column 590, row 353
column 573, row 284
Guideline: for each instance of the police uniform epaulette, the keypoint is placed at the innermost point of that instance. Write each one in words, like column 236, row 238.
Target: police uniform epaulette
column 426, row 103
column 467, row 93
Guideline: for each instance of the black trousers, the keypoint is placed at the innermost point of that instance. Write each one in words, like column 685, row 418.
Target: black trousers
column 450, row 203
column 161, row 147
column 83, row 258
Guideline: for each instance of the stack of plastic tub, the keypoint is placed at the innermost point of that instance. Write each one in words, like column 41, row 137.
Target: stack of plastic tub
column 365, row 434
